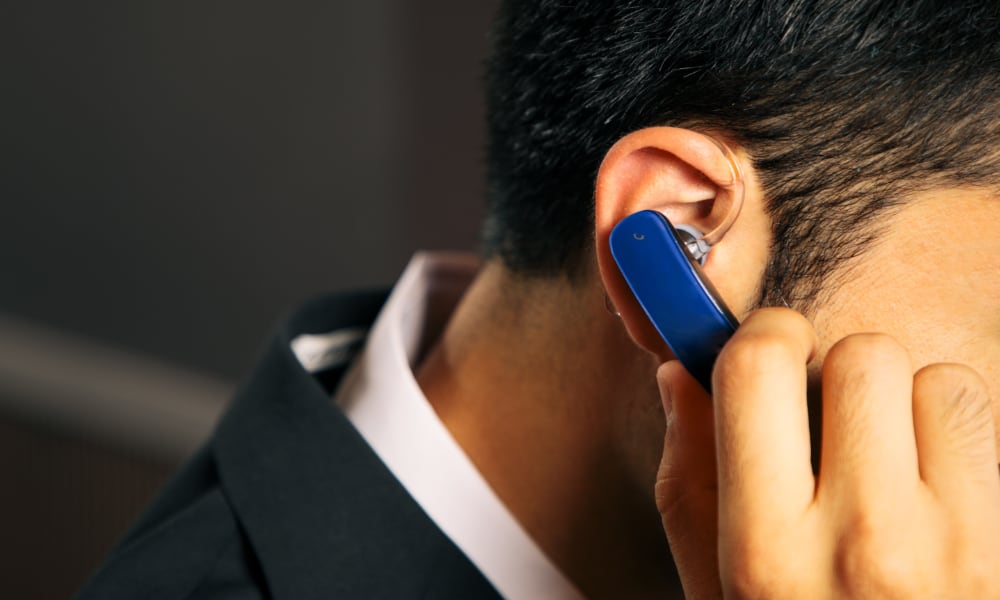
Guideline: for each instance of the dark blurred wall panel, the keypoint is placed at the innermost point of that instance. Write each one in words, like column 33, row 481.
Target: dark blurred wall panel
column 65, row 503
column 173, row 174
column 446, row 174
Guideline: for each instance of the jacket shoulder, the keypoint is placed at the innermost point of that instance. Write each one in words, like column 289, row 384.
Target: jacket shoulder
column 187, row 546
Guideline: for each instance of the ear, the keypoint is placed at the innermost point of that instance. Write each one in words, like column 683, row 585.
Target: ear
column 692, row 179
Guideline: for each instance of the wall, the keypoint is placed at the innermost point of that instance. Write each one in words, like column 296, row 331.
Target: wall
column 174, row 175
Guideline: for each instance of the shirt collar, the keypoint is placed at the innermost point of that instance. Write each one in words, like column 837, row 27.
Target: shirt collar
column 381, row 397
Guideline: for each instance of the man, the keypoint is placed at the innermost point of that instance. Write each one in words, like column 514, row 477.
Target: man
column 864, row 135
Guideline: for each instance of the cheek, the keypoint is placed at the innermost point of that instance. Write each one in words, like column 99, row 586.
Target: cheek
column 933, row 332
column 939, row 303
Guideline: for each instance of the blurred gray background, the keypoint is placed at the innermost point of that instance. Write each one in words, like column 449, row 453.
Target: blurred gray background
column 173, row 176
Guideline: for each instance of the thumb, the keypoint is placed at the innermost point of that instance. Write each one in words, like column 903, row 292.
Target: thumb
column 686, row 485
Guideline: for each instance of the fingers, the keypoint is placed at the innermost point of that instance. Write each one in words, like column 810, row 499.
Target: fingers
column 869, row 450
column 906, row 499
column 953, row 422
column 689, row 445
column 686, row 482
column 762, row 426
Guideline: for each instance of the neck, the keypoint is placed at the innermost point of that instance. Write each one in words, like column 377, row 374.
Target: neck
column 559, row 411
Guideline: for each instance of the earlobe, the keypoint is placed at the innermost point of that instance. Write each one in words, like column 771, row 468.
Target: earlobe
column 687, row 176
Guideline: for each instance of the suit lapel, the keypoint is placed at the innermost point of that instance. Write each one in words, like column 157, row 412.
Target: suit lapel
column 324, row 516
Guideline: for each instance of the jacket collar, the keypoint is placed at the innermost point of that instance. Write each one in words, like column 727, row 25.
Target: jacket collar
column 324, row 516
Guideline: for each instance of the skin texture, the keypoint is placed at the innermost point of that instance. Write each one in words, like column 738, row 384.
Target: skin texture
column 907, row 499
column 562, row 406
column 559, row 410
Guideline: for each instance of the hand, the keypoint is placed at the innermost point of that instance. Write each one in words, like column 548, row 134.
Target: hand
column 907, row 500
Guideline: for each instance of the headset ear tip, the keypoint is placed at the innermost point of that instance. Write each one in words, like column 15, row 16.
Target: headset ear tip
column 693, row 241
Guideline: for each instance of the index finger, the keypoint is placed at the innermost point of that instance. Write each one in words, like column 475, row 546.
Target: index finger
column 762, row 423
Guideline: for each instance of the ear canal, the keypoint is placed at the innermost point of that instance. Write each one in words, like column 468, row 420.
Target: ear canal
column 728, row 201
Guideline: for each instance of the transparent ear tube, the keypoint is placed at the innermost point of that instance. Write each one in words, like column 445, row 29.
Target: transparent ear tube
column 729, row 201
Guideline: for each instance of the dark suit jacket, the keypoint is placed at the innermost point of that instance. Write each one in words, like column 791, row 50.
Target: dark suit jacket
column 287, row 501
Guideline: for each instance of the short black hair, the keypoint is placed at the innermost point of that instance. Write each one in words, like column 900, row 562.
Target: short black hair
column 845, row 107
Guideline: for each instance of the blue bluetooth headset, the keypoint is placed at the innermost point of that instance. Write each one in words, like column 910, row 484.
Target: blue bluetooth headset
column 656, row 261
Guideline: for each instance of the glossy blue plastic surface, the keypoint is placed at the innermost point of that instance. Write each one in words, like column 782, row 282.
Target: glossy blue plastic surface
column 670, row 286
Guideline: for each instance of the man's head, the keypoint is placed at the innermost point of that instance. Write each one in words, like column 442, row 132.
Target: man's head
column 867, row 137
column 843, row 110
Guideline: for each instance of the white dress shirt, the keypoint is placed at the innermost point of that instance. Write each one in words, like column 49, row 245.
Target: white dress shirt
column 380, row 395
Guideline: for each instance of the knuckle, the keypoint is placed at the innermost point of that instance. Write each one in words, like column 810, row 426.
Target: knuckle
column 963, row 383
column 748, row 568
column 980, row 578
column 680, row 498
column 769, row 340
column 669, row 494
column 865, row 349
column 961, row 398
column 868, row 562
column 752, row 352
column 969, row 557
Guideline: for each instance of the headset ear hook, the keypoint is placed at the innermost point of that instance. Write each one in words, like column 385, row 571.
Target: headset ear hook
column 732, row 193
column 699, row 244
